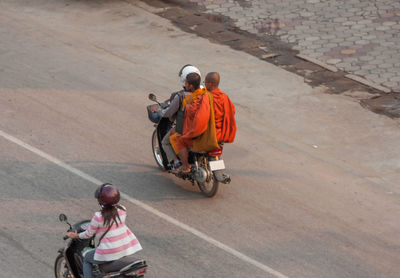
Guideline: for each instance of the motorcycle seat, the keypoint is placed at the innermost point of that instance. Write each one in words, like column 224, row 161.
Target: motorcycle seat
column 122, row 264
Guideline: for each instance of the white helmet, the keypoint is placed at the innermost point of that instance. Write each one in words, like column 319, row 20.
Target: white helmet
column 185, row 71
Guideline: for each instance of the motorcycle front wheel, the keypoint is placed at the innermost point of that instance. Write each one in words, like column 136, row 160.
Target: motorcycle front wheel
column 156, row 150
column 60, row 267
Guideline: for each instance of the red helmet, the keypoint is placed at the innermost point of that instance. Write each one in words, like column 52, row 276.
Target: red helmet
column 107, row 194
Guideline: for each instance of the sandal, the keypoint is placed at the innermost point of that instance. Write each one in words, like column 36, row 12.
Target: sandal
column 181, row 170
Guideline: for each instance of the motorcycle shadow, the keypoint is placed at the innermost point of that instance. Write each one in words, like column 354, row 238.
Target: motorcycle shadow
column 144, row 182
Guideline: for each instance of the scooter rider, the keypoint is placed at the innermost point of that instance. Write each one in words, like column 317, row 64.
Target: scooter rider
column 171, row 112
column 114, row 239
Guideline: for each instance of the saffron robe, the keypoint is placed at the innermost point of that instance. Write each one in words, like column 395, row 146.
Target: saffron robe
column 199, row 128
column 174, row 137
column 225, row 123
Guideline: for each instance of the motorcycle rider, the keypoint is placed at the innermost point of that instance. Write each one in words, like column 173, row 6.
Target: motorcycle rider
column 171, row 112
column 113, row 238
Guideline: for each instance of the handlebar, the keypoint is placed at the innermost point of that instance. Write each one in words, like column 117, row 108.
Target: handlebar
column 165, row 104
column 69, row 230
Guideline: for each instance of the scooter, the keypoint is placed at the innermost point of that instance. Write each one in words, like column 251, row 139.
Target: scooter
column 69, row 261
column 206, row 170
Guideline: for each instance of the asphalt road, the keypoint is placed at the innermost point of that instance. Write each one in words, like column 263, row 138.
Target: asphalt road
column 314, row 191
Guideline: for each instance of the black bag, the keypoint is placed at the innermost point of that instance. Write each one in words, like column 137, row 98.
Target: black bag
column 180, row 115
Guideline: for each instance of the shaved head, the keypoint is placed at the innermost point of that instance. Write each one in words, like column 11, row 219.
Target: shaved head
column 212, row 81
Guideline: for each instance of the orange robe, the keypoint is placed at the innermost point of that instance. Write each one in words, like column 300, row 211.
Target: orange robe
column 198, row 116
column 176, row 145
column 225, row 123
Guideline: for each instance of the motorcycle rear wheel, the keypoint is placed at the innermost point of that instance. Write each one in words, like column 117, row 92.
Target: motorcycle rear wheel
column 156, row 150
column 210, row 187
column 60, row 267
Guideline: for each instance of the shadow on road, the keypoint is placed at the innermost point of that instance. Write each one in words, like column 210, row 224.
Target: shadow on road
column 141, row 181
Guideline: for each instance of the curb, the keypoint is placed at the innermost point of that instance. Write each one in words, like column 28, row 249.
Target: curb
column 368, row 83
column 317, row 62
column 349, row 76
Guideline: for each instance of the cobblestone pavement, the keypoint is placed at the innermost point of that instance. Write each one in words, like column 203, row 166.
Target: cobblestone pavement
column 361, row 37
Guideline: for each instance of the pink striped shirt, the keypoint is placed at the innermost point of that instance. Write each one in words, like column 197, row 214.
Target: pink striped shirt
column 118, row 242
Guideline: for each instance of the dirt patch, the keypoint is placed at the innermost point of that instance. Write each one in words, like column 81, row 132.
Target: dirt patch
column 388, row 105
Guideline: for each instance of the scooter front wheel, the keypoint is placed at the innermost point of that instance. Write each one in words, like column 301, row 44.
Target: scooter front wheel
column 156, row 150
column 60, row 267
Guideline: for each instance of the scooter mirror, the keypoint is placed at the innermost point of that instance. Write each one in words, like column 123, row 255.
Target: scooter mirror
column 152, row 97
column 62, row 217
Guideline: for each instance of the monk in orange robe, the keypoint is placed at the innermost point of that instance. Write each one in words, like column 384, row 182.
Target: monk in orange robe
column 224, row 110
column 199, row 127
column 174, row 135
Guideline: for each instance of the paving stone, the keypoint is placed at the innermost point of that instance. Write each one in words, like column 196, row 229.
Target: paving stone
column 377, row 61
column 338, row 40
column 314, row 46
column 218, row 10
column 369, row 37
column 362, row 42
column 347, row 43
column 334, row 61
column 365, row 21
column 353, row 68
column 348, row 23
column 331, row 45
column 211, row 7
column 382, row 28
column 372, row 76
column 361, row 72
column 385, row 66
column 358, row 26
column 368, row 67
column 388, row 75
column 366, row 58
column 389, row 23
column 343, row 64
column 389, row 84
column 388, row 43
column 340, row 19
column 395, row 79
column 312, row 39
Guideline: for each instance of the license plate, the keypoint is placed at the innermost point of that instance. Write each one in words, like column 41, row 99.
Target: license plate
column 217, row 165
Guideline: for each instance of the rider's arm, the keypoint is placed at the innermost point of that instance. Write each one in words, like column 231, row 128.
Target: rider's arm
column 93, row 227
column 172, row 109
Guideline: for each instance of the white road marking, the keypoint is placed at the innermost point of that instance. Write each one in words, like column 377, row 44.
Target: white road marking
column 146, row 207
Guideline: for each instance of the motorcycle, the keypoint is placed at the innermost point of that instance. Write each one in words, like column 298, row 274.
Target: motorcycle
column 206, row 170
column 69, row 261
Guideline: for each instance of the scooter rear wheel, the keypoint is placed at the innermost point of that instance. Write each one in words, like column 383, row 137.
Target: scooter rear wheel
column 210, row 187
column 60, row 267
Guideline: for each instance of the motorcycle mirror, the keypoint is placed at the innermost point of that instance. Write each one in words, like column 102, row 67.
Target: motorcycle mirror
column 62, row 217
column 152, row 97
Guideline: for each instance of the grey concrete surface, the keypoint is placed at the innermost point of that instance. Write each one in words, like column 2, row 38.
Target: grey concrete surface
column 359, row 37
column 314, row 191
